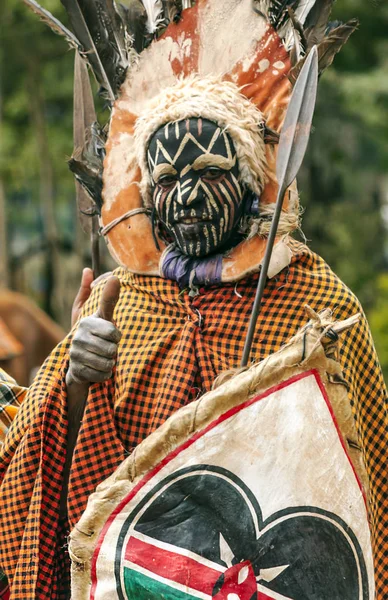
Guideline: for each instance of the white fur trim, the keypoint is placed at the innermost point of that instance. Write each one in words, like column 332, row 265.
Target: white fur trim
column 213, row 99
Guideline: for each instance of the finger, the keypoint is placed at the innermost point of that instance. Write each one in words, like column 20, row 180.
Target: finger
column 82, row 295
column 109, row 299
column 101, row 278
column 80, row 360
column 85, row 286
column 99, row 346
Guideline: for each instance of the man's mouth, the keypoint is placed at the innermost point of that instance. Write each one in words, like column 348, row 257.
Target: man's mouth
column 191, row 220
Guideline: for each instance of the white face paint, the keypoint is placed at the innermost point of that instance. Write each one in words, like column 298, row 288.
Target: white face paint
column 197, row 195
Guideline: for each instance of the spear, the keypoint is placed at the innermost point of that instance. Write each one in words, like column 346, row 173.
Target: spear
column 84, row 116
column 292, row 147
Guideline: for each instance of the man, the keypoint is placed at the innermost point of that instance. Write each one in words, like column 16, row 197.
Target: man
column 176, row 314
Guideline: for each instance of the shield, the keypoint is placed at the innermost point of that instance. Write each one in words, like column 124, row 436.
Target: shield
column 254, row 492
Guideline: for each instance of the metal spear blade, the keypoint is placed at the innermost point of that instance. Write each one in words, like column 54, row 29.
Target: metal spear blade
column 292, row 147
column 297, row 124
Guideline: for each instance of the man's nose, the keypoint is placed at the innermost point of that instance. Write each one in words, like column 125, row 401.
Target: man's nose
column 188, row 191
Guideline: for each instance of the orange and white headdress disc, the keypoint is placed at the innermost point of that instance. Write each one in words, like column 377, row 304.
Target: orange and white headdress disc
column 222, row 62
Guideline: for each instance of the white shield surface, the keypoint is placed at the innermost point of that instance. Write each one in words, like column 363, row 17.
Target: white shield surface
column 277, row 465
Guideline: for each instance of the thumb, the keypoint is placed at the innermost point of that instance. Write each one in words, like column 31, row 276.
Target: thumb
column 109, row 299
column 82, row 295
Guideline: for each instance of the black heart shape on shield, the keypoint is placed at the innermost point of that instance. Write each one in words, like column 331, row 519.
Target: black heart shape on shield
column 300, row 553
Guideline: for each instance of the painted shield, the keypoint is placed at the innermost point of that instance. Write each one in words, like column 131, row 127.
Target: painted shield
column 261, row 503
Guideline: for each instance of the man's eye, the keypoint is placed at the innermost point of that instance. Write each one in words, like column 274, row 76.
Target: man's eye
column 212, row 173
column 166, row 180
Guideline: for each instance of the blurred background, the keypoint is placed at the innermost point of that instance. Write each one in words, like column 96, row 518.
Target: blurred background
column 343, row 184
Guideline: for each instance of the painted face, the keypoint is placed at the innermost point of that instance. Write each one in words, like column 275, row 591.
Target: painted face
column 196, row 192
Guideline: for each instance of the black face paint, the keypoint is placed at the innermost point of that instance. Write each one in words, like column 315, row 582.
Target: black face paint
column 196, row 191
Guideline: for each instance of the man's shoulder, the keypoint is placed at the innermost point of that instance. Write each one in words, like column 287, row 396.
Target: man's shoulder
column 317, row 279
column 137, row 292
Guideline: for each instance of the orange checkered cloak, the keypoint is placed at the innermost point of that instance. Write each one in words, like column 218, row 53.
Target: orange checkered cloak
column 170, row 352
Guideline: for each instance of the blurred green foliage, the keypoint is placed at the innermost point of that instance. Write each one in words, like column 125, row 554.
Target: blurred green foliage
column 378, row 318
column 34, row 62
column 344, row 181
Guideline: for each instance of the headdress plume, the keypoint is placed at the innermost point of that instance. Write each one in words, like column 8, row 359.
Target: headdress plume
column 154, row 10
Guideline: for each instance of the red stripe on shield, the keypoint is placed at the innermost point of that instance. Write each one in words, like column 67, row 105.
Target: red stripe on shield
column 172, row 566
column 237, row 581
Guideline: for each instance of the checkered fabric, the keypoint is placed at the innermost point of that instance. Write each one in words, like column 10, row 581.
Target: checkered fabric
column 172, row 348
column 11, row 396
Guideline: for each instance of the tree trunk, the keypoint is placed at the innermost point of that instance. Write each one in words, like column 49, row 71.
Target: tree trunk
column 46, row 191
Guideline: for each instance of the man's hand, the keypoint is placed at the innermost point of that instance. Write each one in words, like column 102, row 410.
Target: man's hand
column 94, row 346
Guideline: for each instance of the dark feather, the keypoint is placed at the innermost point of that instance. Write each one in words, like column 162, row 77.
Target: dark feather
column 271, row 136
column 328, row 48
column 134, row 18
column 316, row 22
column 86, row 18
column 333, row 43
column 114, row 26
column 120, row 40
column 278, row 12
column 297, row 49
column 171, row 10
column 332, row 25
column 84, row 116
column 298, row 27
column 87, row 165
column 53, row 23
column 179, row 8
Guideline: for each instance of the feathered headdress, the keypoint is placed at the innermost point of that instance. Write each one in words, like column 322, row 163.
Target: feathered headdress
column 232, row 61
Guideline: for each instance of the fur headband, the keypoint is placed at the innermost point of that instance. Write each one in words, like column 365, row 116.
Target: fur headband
column 218, row 101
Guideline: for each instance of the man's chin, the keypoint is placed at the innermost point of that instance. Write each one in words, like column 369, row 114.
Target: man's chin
column 196, row 240
column 191, row 239
column 193, row 230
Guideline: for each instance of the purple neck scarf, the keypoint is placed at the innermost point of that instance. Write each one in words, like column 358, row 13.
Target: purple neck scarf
column 191, row 272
